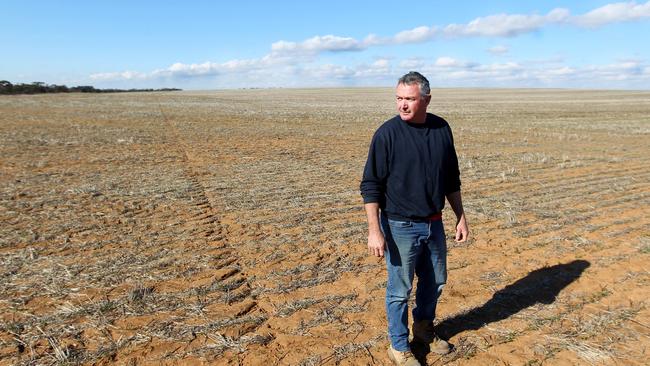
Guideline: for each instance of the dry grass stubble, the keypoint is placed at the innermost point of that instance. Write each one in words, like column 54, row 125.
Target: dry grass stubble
column 226, row 227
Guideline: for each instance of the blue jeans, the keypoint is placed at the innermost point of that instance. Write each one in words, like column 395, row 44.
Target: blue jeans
column 412, row 248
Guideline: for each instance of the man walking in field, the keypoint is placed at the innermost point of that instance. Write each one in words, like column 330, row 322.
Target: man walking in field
column 411, row 168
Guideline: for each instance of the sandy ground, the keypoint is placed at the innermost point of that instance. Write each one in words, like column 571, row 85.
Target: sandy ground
column 227, row 228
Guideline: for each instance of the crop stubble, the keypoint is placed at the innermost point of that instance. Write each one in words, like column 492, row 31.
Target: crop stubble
column 227, row 227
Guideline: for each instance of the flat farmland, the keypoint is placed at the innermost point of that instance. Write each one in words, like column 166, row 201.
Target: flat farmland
column 227, row 228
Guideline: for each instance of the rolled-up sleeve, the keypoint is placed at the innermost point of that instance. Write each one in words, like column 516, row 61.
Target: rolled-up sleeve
column 373, row 183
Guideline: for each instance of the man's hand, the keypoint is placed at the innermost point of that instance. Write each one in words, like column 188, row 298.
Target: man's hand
column 376, row 243
column 456, row 203
column 462, row 231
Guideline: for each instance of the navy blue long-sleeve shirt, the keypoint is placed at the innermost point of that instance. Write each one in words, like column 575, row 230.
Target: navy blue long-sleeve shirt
column 411, row 168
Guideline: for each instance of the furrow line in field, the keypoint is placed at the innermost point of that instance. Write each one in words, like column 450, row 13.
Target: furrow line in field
column 558, row 172
column 593, row 197
column 294, row 193
column 546, row 198
column 266, row 169
column 246, row 202
column 493, row 169
column 320, row 213
column 628, row 216
column 282, row 190
column 340, row 221
column 197, row 191
column 562, row 172
column 567, row 219
column 267, row 213
column 630, row 196
column 636, row 193
column 288, row 219
column 626, row 220
column 210, row 227
column 280, row 183
column 568, row 183
column 488, row 208
column 641, row 227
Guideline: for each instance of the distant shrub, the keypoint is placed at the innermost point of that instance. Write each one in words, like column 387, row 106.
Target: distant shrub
column 38, row 87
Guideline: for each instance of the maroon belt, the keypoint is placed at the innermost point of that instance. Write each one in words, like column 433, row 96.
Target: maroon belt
column 435, row 217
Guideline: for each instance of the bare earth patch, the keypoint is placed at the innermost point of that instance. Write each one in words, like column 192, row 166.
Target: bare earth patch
column 227, row 228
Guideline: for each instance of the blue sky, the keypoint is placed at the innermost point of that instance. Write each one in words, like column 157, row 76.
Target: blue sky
column 239, row 44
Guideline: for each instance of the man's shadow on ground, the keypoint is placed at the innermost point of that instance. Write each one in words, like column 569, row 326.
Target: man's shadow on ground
column 539, row 286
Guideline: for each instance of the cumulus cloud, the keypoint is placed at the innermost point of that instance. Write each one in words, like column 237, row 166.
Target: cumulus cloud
column 295, row 57
column 442, row 71
column 124, row 75
column 412, row 63
column 613, row 13
column 380, row 68
column 329, row 71
column 415, row 35
column 319, row 44
column 505, row 25
column 381, row 63
column 206, row 68
column 498, row 50
column 561, row 71
column 447, row 71
column 498, row 25
column 447, row 62
column 510, row 25
column 332, row 43
column 182, row 70
column 619, row 71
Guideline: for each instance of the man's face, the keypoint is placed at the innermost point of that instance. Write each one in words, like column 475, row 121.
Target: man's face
column 412, row 107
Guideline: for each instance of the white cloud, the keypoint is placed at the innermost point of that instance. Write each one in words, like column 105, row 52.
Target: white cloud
column 624, row 74
column 561, row 71
column 332, row 43
column 373, row 40
column 319, row 44
column 380, row 68
column 443, row 71
column 551, row 60
column 124, row 75
column 620, row 71
column 415, row 35
column 498, row 50
column 381, row 63
column 447, row 62
column 329, row 71
column 505, row 25
column 497, row 25
column 612, row 13
column 180, row 69
column 411, row 63
column 287, row 59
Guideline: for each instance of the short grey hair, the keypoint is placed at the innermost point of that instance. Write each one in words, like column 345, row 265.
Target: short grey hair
column 414, row 77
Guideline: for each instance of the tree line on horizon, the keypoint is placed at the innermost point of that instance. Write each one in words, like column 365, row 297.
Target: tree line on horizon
column 38, row 87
